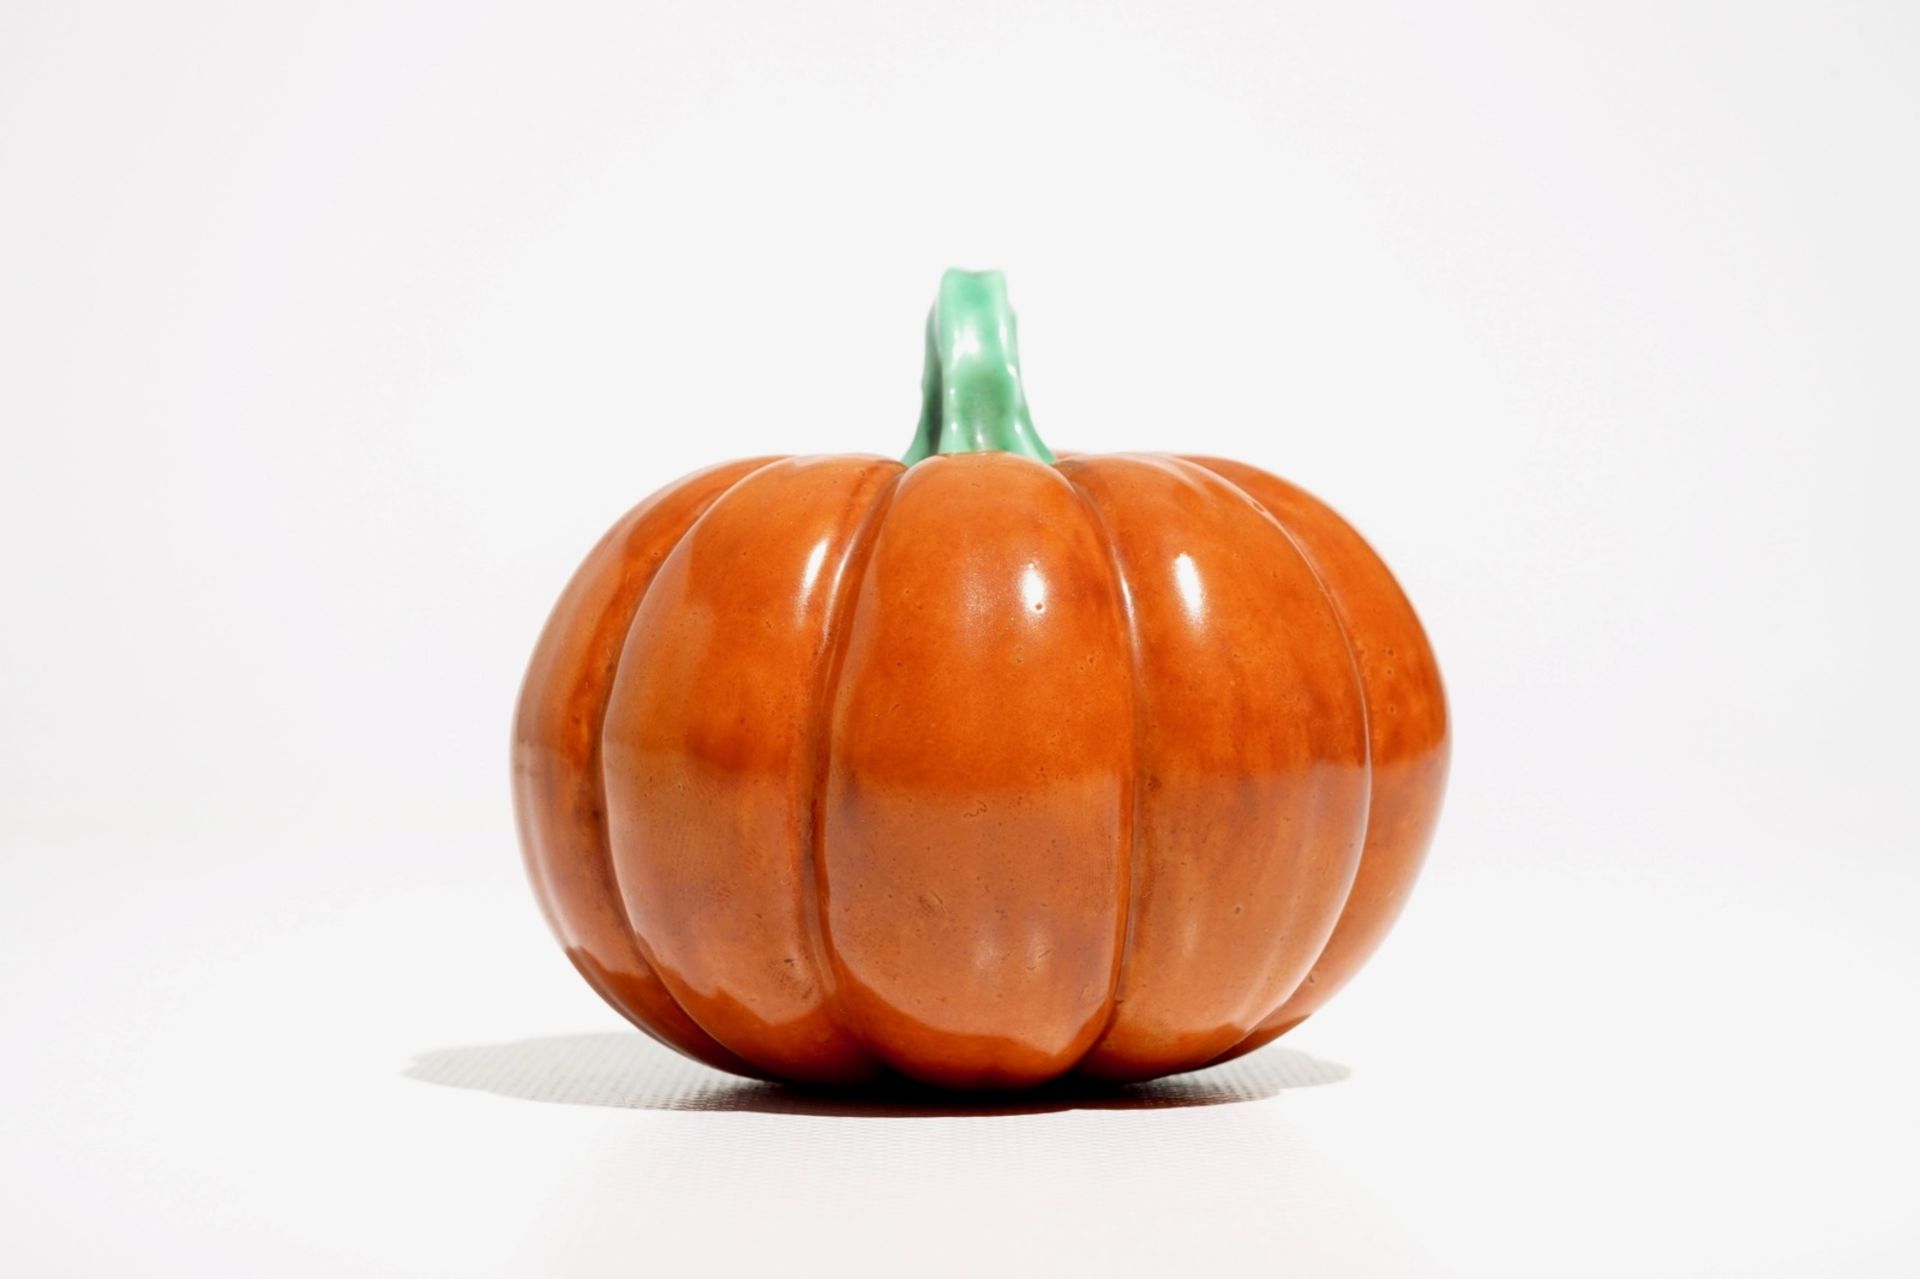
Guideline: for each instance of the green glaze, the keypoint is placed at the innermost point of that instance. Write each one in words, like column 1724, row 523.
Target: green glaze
column 972, row 401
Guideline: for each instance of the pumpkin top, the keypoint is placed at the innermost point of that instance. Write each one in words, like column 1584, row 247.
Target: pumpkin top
column 972, row 400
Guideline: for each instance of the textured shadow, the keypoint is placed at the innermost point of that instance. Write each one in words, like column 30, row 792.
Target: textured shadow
column 631, row 1072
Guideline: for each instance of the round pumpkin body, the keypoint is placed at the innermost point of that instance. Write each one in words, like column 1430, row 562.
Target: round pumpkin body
column 981, row 770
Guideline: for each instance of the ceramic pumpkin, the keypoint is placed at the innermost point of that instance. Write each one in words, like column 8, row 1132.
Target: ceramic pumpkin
column 981, row 768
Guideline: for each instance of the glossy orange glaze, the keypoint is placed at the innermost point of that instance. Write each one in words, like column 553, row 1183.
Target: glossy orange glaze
column 980, row 772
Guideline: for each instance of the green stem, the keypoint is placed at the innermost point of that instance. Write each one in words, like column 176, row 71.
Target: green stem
column 972, row 401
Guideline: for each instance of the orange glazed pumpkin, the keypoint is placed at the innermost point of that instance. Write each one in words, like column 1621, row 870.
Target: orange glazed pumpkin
column 980, row 769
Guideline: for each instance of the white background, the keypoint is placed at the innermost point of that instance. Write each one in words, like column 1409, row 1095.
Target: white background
column 332, row 335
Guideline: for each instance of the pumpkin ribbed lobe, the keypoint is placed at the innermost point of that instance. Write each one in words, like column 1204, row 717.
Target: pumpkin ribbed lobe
column 558, row 792
column 709, row 761
column 973, row 835
column 1407, row 731
column 1270, row 1025
column 1252, row 746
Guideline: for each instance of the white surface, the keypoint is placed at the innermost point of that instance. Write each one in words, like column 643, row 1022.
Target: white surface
column 330, row 337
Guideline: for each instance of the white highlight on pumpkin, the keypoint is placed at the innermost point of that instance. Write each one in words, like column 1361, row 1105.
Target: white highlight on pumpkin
column 1186, row 580
column 816, row 559
column 1033, row 588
